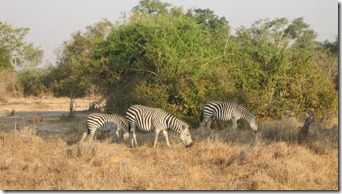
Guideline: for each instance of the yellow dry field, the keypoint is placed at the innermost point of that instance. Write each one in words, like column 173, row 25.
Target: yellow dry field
column 36, row 156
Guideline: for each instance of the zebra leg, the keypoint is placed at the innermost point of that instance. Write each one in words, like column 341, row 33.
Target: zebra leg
column 156, row 137
column 134, row 138
column 203, row 123
column 166, row 138
column 125, row 136
column 234, row 123
column 84, row 136
column 92, row 136
column 209, row 123
column 117, row 134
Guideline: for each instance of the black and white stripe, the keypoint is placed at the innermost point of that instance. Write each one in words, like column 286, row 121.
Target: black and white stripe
column 106, row 122
column 155, row 119
column 225, row 111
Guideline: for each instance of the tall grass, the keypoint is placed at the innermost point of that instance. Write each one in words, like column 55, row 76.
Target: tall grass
column 271, row 159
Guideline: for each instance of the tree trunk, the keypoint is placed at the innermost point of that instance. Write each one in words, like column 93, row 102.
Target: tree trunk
column 71, row 107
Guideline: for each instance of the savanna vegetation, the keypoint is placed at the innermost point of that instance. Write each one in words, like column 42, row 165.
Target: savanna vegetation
column 224, row 160
column 175, row 59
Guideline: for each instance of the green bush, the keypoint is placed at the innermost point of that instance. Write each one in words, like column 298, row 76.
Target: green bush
column 277, row 70
column 178, row 61
column 31, row 81
column 159, row 61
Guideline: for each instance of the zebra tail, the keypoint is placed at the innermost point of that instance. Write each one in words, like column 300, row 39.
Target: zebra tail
column 88, row 130
column 129, row 127
column 201, row 117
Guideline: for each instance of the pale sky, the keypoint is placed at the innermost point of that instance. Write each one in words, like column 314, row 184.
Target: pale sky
column 53, row 21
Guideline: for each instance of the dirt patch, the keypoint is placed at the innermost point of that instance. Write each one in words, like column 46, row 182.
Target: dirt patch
column 45, row 114
column 43, row 104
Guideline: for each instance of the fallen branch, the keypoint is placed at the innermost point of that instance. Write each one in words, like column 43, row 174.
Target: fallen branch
column 304, row 130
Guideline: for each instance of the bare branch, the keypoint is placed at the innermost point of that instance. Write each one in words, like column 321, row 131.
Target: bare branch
column 220, row 56
column 144, row 70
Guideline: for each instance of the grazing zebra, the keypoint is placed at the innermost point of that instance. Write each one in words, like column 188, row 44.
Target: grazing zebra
column 225, row 111
column 149, row 119
column 99, row 121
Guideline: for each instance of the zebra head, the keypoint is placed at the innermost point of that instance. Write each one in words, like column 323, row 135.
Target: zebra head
column 253, row 124
column 185, row 135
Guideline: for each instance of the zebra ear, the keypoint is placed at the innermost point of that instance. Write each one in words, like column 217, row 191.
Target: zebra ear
column 183, row 127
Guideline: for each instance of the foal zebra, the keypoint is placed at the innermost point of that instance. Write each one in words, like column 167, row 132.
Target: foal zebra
column 149, row 119
column 99, row 121
column 225, row 111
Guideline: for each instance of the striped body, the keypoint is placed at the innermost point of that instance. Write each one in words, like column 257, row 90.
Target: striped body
column 155, row 119
column 106, row 122
column 225, row 111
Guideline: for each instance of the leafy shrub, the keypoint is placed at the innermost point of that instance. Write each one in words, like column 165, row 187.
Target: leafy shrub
column 178, row 61
column 31, row 81
column 159, row 60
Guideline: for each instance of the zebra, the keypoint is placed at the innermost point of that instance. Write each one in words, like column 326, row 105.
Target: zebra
column 155, row 119
column 225, row 111
column 100, row 121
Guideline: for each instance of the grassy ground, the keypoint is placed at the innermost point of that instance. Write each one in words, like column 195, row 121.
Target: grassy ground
column 272, row 159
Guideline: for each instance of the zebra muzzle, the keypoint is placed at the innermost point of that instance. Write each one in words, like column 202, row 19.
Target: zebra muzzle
column 190, row 145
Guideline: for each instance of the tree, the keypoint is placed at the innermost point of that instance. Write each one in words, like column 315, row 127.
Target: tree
column 276, row 67
column 12, row 40
column 32, row 56
column 210, row 22
column 151, row 7
column 163, row 56
column 326, row 58
column 333, row 47
column 5, row 59
column 72, row 76
column 14, row 47
column 16, row 54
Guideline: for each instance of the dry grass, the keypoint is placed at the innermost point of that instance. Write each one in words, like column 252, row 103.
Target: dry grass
column 272, row 159
column 8, row 84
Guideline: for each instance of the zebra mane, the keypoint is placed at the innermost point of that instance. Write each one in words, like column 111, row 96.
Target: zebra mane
column 175, row 123
column 247, row 114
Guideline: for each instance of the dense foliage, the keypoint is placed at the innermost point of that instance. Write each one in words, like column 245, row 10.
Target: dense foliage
column 166, row 57
column 160, row 60
column 277, row 69
column 71, row 76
